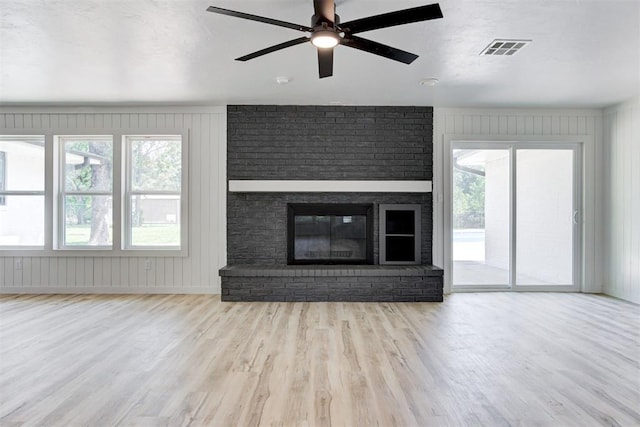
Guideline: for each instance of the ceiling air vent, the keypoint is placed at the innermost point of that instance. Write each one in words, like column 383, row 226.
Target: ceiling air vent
column 504, row 47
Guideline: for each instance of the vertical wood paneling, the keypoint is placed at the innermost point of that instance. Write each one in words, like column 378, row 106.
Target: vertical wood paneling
column 44, row 272
column 61, row 270
column 635, row 255
column 17, row 275
column 26, row 271
column 8, row 271
column 527, row 123
column 152, row 279
column 622, row 152
column 167, row 272
column 35, row 272
column 205, row 190
column 198, row 271
column 177, row 272
column 195, row 164
column 512, row 128
column 52, row 274
column 125, row 277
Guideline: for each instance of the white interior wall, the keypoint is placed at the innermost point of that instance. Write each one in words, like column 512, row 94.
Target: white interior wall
column 562, row 125
column 622, row 201
column 197, row 272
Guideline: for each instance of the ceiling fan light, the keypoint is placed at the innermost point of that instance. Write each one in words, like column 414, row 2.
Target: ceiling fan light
column 324, row 39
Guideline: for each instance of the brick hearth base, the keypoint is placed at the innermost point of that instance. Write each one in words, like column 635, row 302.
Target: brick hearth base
column 414, row 283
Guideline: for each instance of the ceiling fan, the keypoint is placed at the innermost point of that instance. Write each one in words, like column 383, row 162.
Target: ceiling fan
column 326, row 32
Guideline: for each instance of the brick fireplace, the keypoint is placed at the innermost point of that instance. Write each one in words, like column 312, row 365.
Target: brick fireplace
column 324, row 143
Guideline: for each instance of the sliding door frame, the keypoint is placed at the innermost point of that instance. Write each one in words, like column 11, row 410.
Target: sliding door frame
column 513, row 144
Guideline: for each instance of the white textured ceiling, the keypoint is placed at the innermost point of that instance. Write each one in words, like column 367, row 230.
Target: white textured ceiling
column 585, row 53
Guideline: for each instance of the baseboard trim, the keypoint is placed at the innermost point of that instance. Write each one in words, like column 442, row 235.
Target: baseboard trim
column 107, row 290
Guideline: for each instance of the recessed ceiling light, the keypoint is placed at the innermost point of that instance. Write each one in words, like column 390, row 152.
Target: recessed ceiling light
column 504, row 47
column 429, row 82
column 283, row 80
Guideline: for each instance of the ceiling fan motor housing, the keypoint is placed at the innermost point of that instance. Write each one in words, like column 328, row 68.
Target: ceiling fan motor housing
column 319, row 21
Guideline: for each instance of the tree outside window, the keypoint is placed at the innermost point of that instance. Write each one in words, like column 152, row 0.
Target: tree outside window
column 154, row 191
column 87, row 191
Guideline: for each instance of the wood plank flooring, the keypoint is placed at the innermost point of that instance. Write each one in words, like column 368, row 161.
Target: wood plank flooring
column 494, row 359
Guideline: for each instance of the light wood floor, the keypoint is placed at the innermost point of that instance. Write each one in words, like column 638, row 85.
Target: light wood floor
column 493, row 359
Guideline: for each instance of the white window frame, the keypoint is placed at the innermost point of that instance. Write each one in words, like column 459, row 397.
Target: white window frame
column 585, row 150
column 62, row 193
column 6, row 193
column 3, row 177
column 51, row 200
column 128, row 193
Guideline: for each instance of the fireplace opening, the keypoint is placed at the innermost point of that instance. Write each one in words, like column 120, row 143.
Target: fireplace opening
column 330, row 233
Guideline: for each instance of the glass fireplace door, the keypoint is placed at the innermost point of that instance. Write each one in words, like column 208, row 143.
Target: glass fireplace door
column 329, row 234
column 332, row 238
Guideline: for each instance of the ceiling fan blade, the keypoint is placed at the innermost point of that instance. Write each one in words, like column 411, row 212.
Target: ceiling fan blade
column 325, row 62
column 326, row 9
column 258, row 18
column 399, row 17
column 273, row 48
column 378, row 49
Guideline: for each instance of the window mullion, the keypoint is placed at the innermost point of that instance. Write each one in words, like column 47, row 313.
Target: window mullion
column 21, row 193
column 126, row 213
column 87, row 193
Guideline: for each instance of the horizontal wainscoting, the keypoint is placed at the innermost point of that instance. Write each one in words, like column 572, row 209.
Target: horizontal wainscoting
column 411, row 283
column 327, row 186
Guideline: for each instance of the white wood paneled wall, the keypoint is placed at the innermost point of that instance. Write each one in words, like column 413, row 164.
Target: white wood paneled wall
column 195, row 273
column 622, row 203
column 501, row 124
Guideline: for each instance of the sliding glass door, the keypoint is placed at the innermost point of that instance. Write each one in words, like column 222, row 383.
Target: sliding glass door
column 515, row 216
column 481, row 201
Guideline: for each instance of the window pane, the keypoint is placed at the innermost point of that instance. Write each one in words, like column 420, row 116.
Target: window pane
column 88, row 220
column 22, row 221
column 23, row 163
column 156, row 164
column 88, row 164
column 544, row 217
column 155, row 220
column 481, row 217
column 3, row 175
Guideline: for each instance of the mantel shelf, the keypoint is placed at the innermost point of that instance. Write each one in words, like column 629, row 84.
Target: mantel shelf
column 328, row 186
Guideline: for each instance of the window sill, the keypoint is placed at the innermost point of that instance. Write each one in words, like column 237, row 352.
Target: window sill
column 95, row 253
